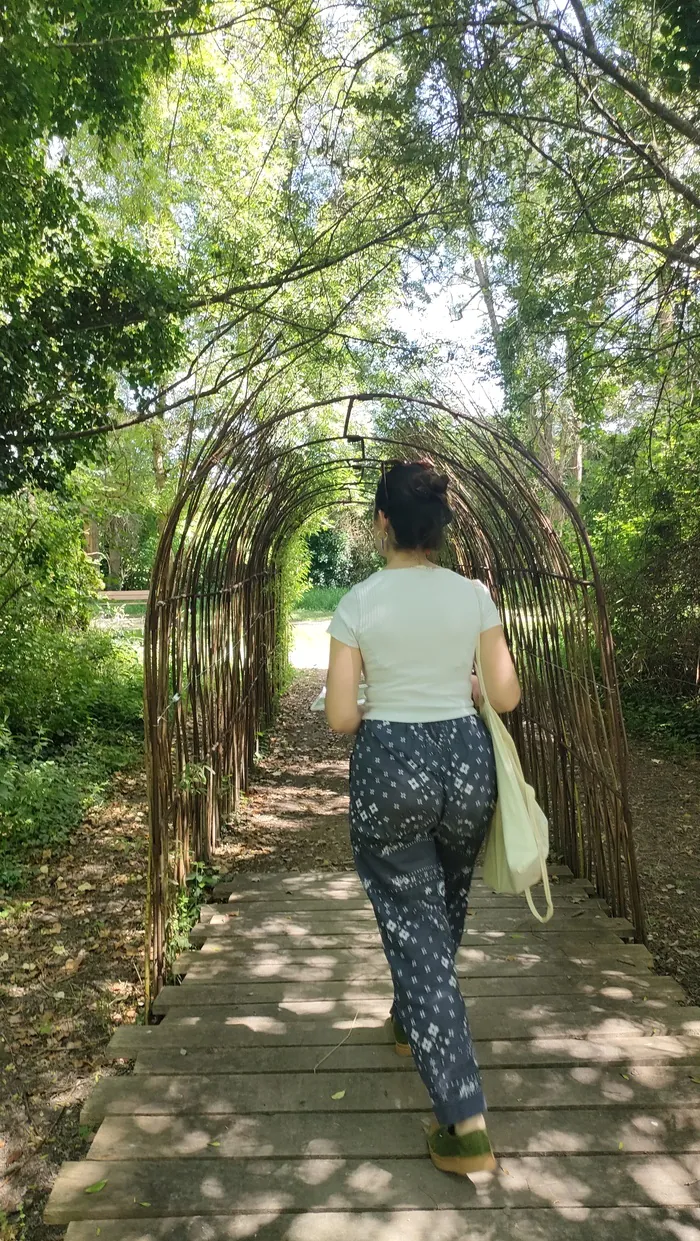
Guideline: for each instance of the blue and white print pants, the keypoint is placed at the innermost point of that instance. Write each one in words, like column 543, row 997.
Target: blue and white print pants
column 421, row 800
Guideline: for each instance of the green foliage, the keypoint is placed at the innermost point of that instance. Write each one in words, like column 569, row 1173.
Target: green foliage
column 45, row 577
column 127, row 495
column 341, row 550
column 44, row 799
column 184, row 911
column 60, row 685
column 67, row 742
column 319, row 601
column 655, row 712
column 642, row 510
column 86, row 323
column 330, row 557
column 71, row 709
column 678, row 54
column 63, row 65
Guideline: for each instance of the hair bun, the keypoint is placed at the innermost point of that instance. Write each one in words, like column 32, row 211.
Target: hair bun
column 413, row 495
column 429, row 485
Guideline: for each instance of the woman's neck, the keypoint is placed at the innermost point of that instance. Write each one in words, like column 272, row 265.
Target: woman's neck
column 401, row 559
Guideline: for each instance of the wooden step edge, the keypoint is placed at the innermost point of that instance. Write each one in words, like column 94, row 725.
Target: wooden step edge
column 267, row 881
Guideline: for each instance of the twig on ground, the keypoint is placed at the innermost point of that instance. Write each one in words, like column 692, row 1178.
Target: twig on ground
column 340, row 1044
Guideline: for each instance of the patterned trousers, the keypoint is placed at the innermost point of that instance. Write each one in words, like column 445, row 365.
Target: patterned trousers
column 421, row 800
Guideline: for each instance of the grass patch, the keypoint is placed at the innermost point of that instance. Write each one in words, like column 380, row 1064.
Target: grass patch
column 319, row 601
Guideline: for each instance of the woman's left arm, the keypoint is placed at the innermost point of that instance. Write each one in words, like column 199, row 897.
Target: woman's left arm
column 342, row 684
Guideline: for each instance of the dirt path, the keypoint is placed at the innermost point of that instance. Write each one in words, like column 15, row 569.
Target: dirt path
column 665, row 796
column 296, row 814
column 70, row 950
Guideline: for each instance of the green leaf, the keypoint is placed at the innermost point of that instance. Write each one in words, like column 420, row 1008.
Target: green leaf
column 339, row 1094
column 95, row 1189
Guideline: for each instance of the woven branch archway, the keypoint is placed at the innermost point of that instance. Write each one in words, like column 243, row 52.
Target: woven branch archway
column 215, row 650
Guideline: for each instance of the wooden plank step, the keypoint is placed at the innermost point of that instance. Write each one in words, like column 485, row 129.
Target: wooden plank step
column 370, row 1135
column 221, row 915
column 482, row 922
column 620, row 987
column 498, row 1009
column 513, row 1016
column 321, row 901
column 667, row 1086
column 197, row 1187
column 489, row 1224
column 369, row 1057
column 570, row 894
column 336, row 883
column 191, row 1029
column 586, row 941
column 611, row 933
column 290, row 964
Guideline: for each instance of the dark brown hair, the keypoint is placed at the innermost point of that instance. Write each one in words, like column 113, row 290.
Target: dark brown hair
column 414, row 498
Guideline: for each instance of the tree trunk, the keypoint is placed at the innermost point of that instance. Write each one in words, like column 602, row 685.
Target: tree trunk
column 114, row 558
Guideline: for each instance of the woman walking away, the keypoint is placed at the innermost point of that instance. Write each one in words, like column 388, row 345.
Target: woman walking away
column 422, row 783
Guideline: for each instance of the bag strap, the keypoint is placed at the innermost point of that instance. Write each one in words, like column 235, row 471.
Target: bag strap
column 479, row 673
column 548, row 897
column 549, row 912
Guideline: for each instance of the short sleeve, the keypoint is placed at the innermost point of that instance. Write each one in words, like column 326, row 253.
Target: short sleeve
column 343, row 624
column 488, row 612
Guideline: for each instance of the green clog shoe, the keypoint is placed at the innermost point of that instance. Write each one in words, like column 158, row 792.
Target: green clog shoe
column 401, row 1043
column 463, row 1155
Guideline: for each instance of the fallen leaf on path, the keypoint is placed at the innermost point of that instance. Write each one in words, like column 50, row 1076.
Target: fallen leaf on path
column 74, row 963
column 339, row 1094
column 95, row 1189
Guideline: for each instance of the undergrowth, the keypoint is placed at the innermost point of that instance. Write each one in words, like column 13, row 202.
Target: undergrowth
column 670, row 721
column 71, row 715
column 184, row 911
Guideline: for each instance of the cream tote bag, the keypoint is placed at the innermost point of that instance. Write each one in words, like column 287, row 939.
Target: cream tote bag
column 517, row 845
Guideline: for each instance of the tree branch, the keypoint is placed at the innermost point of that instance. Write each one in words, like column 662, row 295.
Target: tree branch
column 655, row 107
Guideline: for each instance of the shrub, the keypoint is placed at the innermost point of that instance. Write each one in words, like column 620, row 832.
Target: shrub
column 71, row 697
column 43, row 799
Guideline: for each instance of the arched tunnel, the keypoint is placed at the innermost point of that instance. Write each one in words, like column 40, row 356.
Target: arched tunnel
column 216, row 647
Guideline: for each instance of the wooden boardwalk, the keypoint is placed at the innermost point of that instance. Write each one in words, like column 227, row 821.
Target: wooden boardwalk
column 269, row 1102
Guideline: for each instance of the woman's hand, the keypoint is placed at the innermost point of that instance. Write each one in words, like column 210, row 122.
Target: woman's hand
column 476, row 691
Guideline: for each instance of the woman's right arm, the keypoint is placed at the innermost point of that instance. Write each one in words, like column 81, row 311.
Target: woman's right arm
column 498, row 670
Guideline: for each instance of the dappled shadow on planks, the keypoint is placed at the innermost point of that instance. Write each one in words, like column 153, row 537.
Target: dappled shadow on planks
column 269, row 1102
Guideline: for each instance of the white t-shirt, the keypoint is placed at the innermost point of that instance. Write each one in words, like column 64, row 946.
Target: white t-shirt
column 416, row 629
